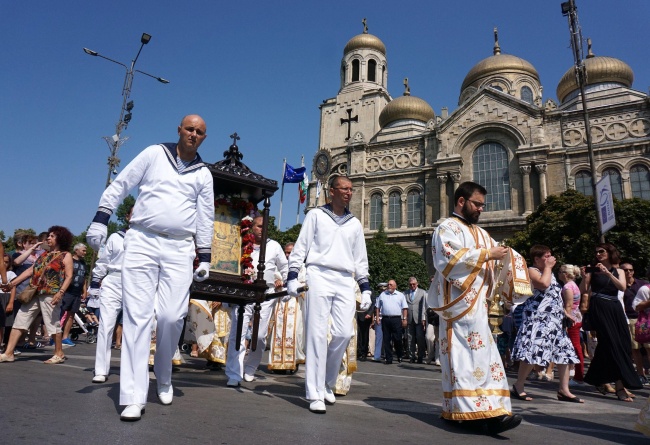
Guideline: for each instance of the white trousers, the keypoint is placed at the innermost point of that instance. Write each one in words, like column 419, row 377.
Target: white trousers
column 331, row 295
column 432, row 343
column 235, row 366
column 155, row 282
column 110, row 304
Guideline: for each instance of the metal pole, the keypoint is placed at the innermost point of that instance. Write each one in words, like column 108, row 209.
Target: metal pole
column 581, row 77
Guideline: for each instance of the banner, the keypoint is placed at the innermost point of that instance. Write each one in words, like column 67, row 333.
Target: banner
column 293, row 175
column 605, row 203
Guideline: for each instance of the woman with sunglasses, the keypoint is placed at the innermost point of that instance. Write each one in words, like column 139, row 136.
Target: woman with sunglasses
column 612, row 360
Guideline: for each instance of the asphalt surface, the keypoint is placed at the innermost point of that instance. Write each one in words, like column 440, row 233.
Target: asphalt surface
column 388, row 404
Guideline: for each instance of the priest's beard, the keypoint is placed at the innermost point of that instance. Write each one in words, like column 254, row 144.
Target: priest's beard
column 469, row 214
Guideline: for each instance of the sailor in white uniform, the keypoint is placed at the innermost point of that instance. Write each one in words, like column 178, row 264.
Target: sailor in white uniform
column 172, row 220
column 107, row 284
column 275, row 273
column 333, row 248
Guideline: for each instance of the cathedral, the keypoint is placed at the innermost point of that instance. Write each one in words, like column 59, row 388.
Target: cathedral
column 405, row 161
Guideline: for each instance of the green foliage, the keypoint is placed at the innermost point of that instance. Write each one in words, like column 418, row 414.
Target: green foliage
column 394, row 262
column 567, row 224
column 123, row 210
column 288, row 236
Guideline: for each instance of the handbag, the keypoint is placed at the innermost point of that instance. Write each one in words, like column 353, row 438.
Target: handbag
column 28, row 293
column 642, row 328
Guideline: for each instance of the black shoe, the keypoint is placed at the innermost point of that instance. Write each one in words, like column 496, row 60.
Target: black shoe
column 412, row 360
column 399, row 359
column 420, row 361
column 362, row 359
column 498, row 425
column 389, row 362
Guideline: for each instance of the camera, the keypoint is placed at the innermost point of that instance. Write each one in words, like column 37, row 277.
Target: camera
column 592, row 269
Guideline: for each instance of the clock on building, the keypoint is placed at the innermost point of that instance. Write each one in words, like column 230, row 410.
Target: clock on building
column 322, row 165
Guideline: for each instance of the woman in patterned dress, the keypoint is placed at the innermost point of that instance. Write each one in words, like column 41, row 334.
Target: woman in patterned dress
column 541, row 338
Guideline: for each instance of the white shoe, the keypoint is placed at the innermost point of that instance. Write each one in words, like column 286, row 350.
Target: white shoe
column 165, row 394
column 317, row 406
column 132, row 412
column 437, row 362
column 99, row 378
column 249, row 377
column 232, row 383
column 329, row 395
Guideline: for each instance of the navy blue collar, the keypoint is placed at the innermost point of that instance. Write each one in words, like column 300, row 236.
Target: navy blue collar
column 347, row 216
column 172, row 156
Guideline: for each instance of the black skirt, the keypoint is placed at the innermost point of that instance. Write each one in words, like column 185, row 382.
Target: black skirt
column 612, row 359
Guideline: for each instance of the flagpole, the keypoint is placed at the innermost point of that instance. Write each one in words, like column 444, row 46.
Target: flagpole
column 284, row 169
column 302, row 164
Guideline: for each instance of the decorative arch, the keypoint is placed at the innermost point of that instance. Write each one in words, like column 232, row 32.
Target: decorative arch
column 475, row 134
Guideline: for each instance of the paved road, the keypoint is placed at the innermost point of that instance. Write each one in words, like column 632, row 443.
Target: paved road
column 388, row 404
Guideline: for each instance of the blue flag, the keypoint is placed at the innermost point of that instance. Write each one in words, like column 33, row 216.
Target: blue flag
column 293, row 175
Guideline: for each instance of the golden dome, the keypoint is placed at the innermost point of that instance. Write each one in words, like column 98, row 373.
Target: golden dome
column 498, row 63
column 599, row 70
column 365, row 41
column 406, row 107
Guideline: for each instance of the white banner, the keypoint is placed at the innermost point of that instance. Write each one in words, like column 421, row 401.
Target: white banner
column 605, row 203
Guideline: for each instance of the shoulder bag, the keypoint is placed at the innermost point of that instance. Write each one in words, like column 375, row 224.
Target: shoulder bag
column 28, row 293
column 642, row 328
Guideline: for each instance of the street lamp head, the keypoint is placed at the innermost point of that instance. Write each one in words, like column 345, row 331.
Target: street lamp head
column 90, row 52
column 129, row 105
column 161, row 80
column 145, row 38
column 566, row 8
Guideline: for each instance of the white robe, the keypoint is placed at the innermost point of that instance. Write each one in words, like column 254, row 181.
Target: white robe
column 474, row 382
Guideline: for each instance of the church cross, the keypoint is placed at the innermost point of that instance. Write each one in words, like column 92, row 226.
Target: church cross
column 365, row 26
column 349, row 121
column 234, row 138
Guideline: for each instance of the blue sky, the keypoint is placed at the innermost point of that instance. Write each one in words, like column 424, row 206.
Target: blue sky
column 260, row 68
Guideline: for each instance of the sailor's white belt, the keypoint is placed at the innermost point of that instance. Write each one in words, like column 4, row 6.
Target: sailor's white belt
column 139, row 228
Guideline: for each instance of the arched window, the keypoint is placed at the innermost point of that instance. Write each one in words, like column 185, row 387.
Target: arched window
column 496, row 87
column 414, row 209
column 490, row 162
column 394, row 210
column 383, row 75
column 372, row 70
column 615, row 182
column 355, row 70
column 583, row 183
column 375, row 211
column 640, row 181
column 527, row 94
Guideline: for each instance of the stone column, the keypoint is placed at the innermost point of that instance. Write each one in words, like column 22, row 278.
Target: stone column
column 404, row 210
column 456, row 178
column 543, row 190
column 627, row 187
column 384, row 215
column 525, row 172
column 444, row 205
column 365, row 214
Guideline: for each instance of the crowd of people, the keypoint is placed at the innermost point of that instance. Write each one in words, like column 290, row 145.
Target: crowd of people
column 141, row 281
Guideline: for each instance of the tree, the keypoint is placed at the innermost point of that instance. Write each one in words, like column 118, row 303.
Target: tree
column 288, row 236
column 567, row 224
column 123, row 209
column 394, row 262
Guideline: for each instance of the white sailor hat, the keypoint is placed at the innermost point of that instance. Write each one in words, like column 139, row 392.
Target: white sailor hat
column 382, row 285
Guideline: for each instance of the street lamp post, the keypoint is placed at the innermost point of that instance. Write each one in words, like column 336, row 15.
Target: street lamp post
column 115, row 142
column 570, row 10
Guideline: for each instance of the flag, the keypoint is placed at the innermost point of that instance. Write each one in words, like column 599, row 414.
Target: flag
column 293, row 175
column 302, row 187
